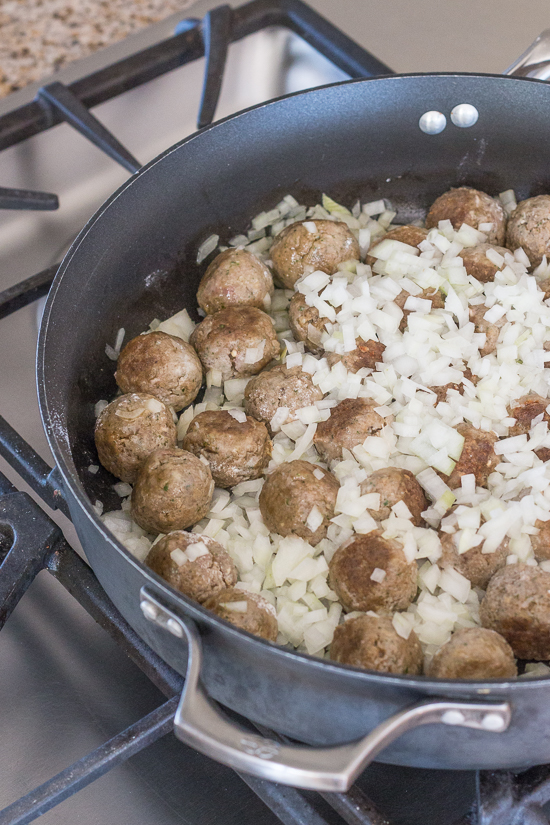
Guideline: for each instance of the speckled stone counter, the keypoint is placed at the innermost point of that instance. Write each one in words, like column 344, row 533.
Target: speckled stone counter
column 38, row 37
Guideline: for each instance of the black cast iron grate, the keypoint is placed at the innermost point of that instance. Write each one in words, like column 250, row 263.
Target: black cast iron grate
column 30, row 541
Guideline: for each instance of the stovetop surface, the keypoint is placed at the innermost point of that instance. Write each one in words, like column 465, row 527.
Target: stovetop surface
column 64, row 686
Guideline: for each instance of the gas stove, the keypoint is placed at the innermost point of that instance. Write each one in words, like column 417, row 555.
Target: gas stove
column 86, row 702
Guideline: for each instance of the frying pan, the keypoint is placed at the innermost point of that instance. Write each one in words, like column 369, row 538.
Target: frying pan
column 135, row 260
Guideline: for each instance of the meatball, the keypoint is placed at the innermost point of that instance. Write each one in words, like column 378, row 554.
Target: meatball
column 491, row 329
column 436, row 298
column 517, row 605
column 372, row 643
column 474, row 653
column 524, row 410
column 162, row 365
column 476, row 566
column 280, row 387
column 247, row 611
column 352, row 566
column 223, row 339
column 291, row 492
column 541, row 541
column 199, row 570
column 236, row 451
column 306, row 323
column 235, row 278
column 350, row 422
column 173, row 490
column 307, row 326
column 367, row 354
column 128, row 429
column 478, row 265
column 297, row 250
column 409, row 234
column 395, row 485
column 477, row 457
column 470, row 206
column 529, row 227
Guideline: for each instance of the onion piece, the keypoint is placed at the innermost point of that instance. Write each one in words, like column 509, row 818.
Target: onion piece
column 207, row 247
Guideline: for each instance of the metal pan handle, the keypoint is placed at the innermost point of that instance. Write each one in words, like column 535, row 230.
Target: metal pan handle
column 535, row 61
column 200, row 724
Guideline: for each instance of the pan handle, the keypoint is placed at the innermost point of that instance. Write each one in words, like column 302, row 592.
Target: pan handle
column 535, row 61
column 200, row 724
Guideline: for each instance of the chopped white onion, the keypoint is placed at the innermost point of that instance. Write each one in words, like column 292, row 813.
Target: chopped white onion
column 378, row 575
column 178, row 557
column 238, row 415
column 207, row 247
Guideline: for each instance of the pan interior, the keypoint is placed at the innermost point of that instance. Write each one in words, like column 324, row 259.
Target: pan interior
column 136, row 259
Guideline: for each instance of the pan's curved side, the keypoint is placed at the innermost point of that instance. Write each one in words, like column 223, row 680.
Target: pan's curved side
column 135, row 261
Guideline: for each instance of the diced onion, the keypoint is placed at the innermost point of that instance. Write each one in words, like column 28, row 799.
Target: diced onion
column 238, row 415
column 207, row 247
column 378, row 575
column 178, row 557
column 314, row 519
column 235, row 607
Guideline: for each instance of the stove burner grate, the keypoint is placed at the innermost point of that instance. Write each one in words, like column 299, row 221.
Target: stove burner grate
column 56, row 103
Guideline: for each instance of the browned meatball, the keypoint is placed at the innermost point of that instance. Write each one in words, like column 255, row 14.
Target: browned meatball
column 371, row 642
column 524, row 410
column 222, row 341
column 196, row 576
column 470, row 206
column 517, row 605
column 350, row 422
column 474, row 653
column 296, row 250
column 173, row 490
column 529, row 227
column 477, row 457
column 234, row 278
column 491, row 329
column 250, row 612
column 236, row 451
column 162, row 365
column 280, row 387
column 289, row 494
column 306, row 323
column 478, row 265
column 353, row 564
column 476, row 566
column 366, row 355
column 436, row 298
column 130, row 428
column 541, row 542
column 395, row 485
column 409, row 234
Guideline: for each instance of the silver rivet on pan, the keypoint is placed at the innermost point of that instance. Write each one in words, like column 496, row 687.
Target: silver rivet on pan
column 464, row 115
column 493, row 721
column 453, row 717
column 432, row 123
column 150, row 611
column 175, row 628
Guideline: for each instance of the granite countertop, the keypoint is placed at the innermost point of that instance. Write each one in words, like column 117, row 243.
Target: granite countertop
column 39, row 37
